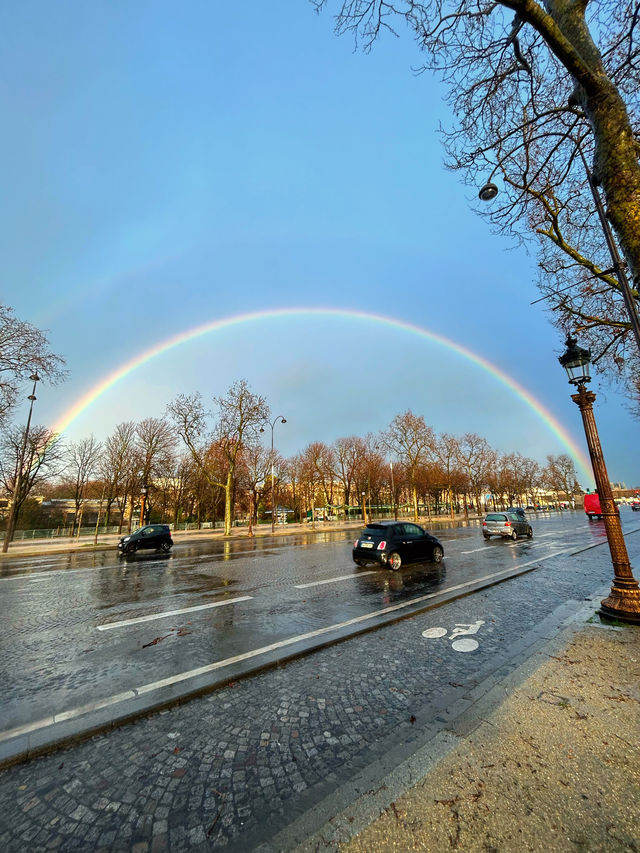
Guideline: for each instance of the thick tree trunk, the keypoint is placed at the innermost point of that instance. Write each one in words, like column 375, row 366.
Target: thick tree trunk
column 615, row 165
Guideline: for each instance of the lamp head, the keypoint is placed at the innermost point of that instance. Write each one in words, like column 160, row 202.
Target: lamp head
column 575, row 361
column 488, row 192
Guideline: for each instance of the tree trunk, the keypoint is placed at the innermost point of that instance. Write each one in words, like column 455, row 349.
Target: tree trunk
column 228, row 503
column 616, row 164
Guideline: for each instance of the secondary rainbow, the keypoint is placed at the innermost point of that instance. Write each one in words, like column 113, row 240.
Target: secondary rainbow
column 238, row 319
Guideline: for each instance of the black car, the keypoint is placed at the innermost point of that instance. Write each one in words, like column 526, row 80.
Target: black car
column 392, row 543
column 157, row 536
column 518, row 511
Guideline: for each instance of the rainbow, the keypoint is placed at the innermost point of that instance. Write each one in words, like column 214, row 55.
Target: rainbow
column 228, row 322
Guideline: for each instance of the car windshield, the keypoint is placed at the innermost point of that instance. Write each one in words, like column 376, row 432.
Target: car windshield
column 494, row 516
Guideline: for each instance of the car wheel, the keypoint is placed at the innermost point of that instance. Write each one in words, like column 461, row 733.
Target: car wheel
column 438, row 554
column 530, row 533
column 514, row 535
column 359, row 562
column 132, row 548
column 166, row 547
column 590, row 518
column 394, row 561
column 487, row 535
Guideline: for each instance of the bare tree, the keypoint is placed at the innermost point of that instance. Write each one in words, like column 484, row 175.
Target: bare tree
column 347, row 452
column 254, row 468
column 559, row 475
column 24, row 350
column 155, row 446
column 543, row 93
column 82, row 463
column 409, row 438
column 26, row 459
column 478, row 459
column 446, row 450
column 241, row 413
column 115, row 465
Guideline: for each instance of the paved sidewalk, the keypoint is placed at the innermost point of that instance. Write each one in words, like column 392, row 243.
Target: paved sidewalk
column 554, row 767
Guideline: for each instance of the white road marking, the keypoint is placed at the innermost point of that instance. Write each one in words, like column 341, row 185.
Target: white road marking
column 166, row 613
column 464, row 645
column 434, row 633
column 51, row 574
column 203, row 670
column 335, row 580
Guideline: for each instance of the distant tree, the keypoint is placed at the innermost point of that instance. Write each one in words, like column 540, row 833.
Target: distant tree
column 478, row 459
column 116, row 467
column 24, row 349
column 371, row 470
column 241, row 413
column 293, row 472
column 82, row 464
column 446, row 451
column 309, row 479
column 254, row 468
column 347, row 452
column 409, row 438
column 559, row 475
column 154, row 444
column 324, row 460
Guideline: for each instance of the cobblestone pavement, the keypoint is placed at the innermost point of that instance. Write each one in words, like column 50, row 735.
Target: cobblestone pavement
column 233, row 769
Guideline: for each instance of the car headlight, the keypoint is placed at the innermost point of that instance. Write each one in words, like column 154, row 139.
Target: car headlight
column 126, row 539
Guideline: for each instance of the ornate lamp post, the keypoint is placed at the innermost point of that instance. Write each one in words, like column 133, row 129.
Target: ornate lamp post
column 623, row 602
column 13, row 512
column 273, row 503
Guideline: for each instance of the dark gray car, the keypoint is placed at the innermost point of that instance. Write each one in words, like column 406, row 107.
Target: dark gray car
column 151, row 536
column 507, row 524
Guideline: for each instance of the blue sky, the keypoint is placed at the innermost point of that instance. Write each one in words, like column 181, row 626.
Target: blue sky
column 165, row 165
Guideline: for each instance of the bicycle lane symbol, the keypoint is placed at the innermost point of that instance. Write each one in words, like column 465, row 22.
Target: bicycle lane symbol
column 460, row 639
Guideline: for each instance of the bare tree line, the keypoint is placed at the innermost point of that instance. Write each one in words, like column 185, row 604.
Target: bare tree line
column 200, row 465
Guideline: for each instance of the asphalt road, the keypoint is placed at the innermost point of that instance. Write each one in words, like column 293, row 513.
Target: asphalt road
column 84, row 628
column 263, row 763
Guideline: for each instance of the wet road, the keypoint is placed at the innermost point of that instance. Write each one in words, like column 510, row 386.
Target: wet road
column 80, row 628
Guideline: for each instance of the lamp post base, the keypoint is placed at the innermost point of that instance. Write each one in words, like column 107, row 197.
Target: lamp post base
column 622, row 604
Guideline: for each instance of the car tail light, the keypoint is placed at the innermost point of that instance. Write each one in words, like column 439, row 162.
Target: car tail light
column 355, row 544
column 507, row 524
column 484, row 523
column 382, row 545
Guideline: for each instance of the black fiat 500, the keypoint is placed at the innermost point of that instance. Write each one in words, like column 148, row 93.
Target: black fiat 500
column 157, row 536
column 392, row 543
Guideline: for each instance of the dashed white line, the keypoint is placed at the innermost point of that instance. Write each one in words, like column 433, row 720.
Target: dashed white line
column 125, row 622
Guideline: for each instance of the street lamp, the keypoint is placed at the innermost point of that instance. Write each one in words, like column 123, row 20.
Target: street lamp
column 13, row 512
column 623, row 602
column 364, row 507
column 273, row 504
column 144, row 490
